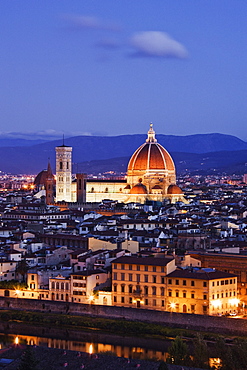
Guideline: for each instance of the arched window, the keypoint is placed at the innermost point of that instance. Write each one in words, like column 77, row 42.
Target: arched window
column 154, row 290
column 106, row 190
column 62, row 286
column 162, row 291
column 67, row 286
column 92, row 190
column 57, row 286
column 53, row 285
column 61, row 165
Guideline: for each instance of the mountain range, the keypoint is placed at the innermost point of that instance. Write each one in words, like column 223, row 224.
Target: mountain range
column 94, row 154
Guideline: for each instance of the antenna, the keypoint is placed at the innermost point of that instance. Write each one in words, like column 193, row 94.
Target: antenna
column 63, row 139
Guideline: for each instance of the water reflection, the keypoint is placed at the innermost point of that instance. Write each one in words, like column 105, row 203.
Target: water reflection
column 89, row 347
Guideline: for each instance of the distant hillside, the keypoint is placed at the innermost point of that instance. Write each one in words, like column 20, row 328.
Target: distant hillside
column 32, row 159
column 206, row 163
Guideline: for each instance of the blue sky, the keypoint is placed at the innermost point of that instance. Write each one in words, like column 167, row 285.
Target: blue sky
column 111, row 67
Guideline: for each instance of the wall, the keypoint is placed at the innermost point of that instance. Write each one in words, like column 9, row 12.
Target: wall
column 214, row 324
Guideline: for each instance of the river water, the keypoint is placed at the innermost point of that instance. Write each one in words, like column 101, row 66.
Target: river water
column 93, row 341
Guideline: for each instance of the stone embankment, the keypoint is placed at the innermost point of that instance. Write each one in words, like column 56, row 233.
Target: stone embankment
column 221, row 325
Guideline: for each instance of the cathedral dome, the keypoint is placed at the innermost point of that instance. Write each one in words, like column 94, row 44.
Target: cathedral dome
column 40, row 179
column 139, row 189
column 151, row 156
column 174, row 189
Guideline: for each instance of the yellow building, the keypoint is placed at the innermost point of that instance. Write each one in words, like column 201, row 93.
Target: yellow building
column 201, row 291
column 140, row 282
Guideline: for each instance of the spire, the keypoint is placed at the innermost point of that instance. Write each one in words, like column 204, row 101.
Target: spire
column 151, row 135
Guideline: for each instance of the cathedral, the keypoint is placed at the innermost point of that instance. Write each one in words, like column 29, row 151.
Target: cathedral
column 151, row 176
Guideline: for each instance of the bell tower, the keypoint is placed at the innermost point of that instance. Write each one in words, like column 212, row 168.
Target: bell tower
column 63, row 173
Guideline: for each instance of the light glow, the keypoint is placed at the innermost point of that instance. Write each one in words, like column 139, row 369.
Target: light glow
column 234, row 301
column 90, row 350
column 16, row 340
column 216, row 303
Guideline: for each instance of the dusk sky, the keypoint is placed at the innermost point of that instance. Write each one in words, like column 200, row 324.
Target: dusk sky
column 109, row 67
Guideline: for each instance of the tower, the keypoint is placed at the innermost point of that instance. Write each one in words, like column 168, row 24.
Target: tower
column 81, row 179
column 49, row 185
column 63, row 173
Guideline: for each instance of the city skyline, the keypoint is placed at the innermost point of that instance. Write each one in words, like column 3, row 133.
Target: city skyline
column 109, row 68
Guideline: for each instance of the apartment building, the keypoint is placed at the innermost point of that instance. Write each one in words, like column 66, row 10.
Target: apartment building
column 201, row 291
column 140, row 282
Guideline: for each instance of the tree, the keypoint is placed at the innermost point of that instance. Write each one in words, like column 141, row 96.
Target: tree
column 200, row 352
column 22, row 268
column 28, row 360
column 178, row 352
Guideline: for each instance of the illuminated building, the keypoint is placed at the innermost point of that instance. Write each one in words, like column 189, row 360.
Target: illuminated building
column 140, row 282
column 201, row 291
column 63, row 173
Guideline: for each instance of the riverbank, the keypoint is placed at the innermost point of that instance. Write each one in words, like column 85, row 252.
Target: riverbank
column 122, row 327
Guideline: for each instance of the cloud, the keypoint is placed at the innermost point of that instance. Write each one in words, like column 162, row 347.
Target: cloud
column 90, row 22
column 157, row 44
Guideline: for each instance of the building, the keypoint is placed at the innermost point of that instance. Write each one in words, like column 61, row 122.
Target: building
column 201, row 291
column 140, row 282
column 151, row 175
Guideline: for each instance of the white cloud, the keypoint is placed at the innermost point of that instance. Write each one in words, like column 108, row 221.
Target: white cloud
column 157, row 44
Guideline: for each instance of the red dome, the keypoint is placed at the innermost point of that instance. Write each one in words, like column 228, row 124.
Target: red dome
column 139, row 189
column 174, row 189
column 151, row 156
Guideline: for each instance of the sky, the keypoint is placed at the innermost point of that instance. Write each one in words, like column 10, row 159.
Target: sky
column 93, row 67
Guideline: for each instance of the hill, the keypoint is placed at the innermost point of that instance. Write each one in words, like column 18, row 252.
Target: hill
column 33, row 158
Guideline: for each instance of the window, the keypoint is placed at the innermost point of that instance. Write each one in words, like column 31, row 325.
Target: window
column 53, row 285
column 61, row 165
column 154, row 290
column 32, row 275
column 57, row 285
column 122, row 267
column 162, row 280
column 226, row 282
column 114, row 299
column 130, row 300
column 177, row 293
column 62, row 286
column 192, row 283
column 130, row 277
column 162, row 291
column 122, row 276
column 169, row 281
column 122, row 288
column 138, row 267
column 192, row 308
column 154, row 279
column 115, row 276
column 146, row 290
column 146, row 278
column 205, row 284
column 213, row 283
column 184, row 294
column 154, row 268
column 205, row 296
column 122, row 299
column 138, row 278
column 177, row 282
column 162, row 269
column 146, row 302
column 115, row 287
column 146, row 268
column 192, row 295
column 222, row 282
column 130, row 289
column 115, row 266
column 213, row 296
column 154, row 302
column 162, row 303
column 222, row 295
column 169, row 293
column 184, row 282
column 130, row 267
